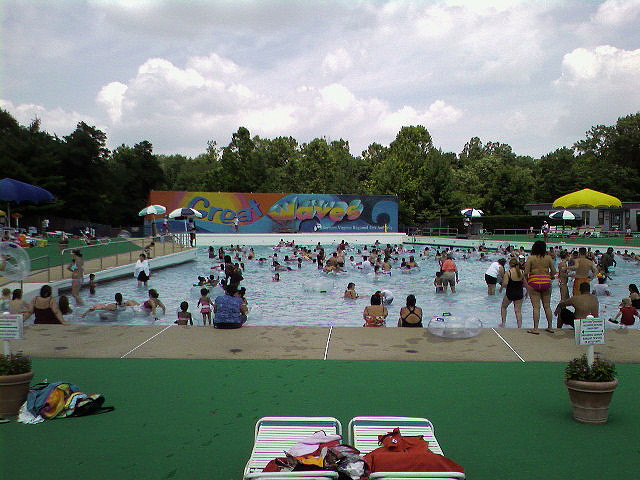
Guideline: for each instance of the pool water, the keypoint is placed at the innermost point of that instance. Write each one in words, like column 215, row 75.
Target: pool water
column 308, row 297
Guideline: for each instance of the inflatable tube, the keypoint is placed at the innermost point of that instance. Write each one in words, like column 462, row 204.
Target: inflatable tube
column 448, row 326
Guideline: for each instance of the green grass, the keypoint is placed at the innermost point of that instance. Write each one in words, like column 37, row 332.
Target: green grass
column 55, row 259
column 185, row 419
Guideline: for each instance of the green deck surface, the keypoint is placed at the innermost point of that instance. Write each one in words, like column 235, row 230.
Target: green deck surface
column 187, row 419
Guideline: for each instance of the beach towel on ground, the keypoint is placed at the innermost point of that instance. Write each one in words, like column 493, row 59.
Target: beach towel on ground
column 63, row 399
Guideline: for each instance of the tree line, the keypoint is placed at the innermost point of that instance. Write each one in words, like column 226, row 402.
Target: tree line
column 93, row 183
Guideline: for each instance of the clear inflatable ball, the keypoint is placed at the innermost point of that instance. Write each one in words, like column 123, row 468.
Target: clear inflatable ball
column 15, row 263
column 448, row 326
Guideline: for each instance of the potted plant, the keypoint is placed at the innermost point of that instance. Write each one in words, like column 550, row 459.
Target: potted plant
column 590, row 388
column 15, row 377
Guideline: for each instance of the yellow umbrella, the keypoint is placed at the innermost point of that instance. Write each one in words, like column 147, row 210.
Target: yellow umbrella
column 587, row 198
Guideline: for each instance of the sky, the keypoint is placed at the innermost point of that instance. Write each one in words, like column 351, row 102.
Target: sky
column 536, row 75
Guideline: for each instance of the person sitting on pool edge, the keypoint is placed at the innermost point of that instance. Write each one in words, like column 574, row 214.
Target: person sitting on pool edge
column 585, row 303
column 229, row 310
column 410, row 316
column 375, row 315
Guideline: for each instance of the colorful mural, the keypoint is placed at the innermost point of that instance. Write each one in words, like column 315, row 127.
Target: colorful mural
column 282, row 212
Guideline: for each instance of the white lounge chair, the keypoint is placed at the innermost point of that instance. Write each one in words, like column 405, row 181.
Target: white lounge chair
column 275, row 435
column 364, row 432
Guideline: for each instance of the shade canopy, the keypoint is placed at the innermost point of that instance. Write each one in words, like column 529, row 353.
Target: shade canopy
column 15, row 191
column 587, row 198
column 185, row 213
column 152, row 210
column 471, row 212
column 562, row 215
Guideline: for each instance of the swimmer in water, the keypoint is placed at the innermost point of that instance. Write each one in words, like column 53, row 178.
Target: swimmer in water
column 276, row 278
column 350, row 292
column 118, row 305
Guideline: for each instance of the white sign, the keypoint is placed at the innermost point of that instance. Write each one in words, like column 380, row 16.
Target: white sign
column 590, row 331
column 11, row 327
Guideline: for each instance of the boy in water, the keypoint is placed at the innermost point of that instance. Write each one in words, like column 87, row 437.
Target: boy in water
column 350, row 292
column 92, row 284
column 437, row 282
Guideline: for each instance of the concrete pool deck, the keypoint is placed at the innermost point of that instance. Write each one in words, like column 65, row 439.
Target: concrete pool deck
column 314, row 343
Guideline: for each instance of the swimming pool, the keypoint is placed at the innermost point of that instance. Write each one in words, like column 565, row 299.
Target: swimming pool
column 307, row 297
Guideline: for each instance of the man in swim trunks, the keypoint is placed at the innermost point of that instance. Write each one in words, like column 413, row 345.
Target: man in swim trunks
column 583, row 266
column 584, row 304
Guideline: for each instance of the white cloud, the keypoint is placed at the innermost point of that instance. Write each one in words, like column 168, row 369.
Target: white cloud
column 111, row 97
column 337, row 61
column 617, row 12
column 52, row 120
column 601, row 65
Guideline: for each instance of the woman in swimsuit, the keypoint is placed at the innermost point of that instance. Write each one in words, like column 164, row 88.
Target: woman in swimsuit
column 375, row 315
column 77, row 273
column 538, row 272
column 45, row 309
column 512, row 282
column 410, row 316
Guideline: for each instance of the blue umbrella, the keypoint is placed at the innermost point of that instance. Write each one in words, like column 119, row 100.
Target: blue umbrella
column 15, row 191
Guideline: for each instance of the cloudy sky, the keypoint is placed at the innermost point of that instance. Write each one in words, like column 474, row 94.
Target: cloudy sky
column 534, row 74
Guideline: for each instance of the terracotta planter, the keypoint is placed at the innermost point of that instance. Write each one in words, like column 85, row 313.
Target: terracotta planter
column 13, row 392
column 590, row 400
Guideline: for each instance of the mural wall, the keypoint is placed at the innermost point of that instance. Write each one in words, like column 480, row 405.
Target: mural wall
column 282, row 212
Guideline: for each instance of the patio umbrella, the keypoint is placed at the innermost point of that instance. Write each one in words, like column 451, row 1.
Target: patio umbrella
column 471, row 213
column 587, row 198
column 152, row 210
column 15, row 191
column 184, row 213
column 563, row 215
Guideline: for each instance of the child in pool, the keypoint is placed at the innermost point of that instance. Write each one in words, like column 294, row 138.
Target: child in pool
column 152, row 303
column 184, row 315
column 205, row 306
column 437, row 282
column 92, row 284
column 350, row 292
column 628, row 313
column 276, row 278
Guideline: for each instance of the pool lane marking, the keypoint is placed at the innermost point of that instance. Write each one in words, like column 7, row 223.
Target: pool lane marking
column 326, row 349
column 507, row 344
column 147, row 340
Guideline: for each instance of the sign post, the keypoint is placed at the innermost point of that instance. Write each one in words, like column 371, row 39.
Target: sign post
column 10, row 329
column 589, row 331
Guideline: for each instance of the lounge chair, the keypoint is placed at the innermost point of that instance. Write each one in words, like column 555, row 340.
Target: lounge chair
column 275, row 435
column 364, row 432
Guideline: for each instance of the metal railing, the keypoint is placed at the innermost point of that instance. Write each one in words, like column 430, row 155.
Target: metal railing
column 432, row 231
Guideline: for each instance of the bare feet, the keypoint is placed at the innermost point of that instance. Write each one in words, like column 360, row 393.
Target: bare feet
column 550, row 330
column 534, row 332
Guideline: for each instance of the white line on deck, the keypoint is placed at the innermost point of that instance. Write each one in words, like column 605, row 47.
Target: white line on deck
column 507, row 344
column 148, row 339
column 326, row 349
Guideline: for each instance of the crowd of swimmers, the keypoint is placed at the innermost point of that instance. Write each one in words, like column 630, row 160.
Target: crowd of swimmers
column 520, row 274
